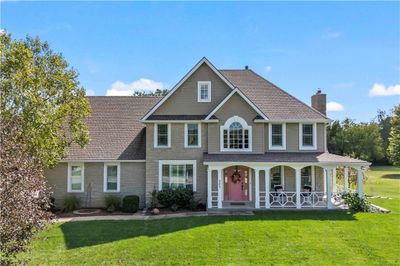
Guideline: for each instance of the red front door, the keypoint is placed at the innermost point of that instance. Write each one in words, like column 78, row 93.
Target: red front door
column 236, row 183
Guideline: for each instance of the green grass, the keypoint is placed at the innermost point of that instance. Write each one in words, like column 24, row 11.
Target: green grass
column 268, row 238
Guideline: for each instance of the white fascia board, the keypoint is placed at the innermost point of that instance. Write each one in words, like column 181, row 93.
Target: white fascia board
column 172, row 91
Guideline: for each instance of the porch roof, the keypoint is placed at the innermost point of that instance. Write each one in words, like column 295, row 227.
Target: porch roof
column 283, row 157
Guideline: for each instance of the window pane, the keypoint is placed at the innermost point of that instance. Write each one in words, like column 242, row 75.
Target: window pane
column 76, row 183
column 162, row 135
column 178, row 176
column 76, row 170
column 204, row 91
column 276, row 129
column 112, row 170
column 307, row 141
column 277, row 135
column 112, row 185
column 193, row 134
column 306, row 176
column 276, row 176
column 236, row 136
column 308, row 135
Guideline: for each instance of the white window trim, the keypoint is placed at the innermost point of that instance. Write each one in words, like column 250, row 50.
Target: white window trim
column 169, row 162
column 69, row 182
column 314, row 146
column 199, row 136
column 226, row 126
column 156, row 135
column 105, row 176
column 275, row 147
column 199, row 83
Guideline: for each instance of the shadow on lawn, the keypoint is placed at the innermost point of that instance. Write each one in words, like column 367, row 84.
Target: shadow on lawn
column 90, row 233
column 391, row 176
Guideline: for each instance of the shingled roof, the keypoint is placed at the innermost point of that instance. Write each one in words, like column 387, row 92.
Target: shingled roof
column 274, row 102
column 115, row 129
column 279, row 157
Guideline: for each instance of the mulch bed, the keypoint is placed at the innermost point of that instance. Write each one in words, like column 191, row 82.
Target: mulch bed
column 101, row 213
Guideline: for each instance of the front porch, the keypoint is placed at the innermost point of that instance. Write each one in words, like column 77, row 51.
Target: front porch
column 280, row 186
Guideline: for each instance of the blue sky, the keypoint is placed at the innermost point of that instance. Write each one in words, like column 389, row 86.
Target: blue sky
column 349, row 50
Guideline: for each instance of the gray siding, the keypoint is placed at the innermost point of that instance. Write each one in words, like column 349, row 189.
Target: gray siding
column 184, row 100
column 132, row 183
column 176, row 152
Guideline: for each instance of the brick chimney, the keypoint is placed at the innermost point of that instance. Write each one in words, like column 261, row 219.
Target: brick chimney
column 318, row 101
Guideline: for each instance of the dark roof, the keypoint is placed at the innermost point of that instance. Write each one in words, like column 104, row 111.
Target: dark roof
column 274, row 102
column 278, row 157
column 115, row 129
column 176, row 117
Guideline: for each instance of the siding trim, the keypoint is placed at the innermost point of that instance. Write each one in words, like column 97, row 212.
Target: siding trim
column 203, row 60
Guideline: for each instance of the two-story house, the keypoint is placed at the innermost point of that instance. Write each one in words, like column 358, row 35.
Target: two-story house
column 233, row 137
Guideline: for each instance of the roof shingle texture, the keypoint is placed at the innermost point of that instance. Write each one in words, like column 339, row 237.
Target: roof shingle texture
column 274, row 102
column 278, row 157
column 115, row 129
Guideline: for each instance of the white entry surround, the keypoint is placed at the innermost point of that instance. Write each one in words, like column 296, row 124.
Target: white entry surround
column 296, row 199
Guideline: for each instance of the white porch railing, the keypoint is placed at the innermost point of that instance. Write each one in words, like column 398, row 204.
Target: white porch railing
column 214, row 199
column 282, row 199
column 313, row 200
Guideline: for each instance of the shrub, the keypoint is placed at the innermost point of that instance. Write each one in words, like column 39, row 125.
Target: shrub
column 112, row 202
column 154, row 201
column 130, row 204
column 182, row 197
column 356, row 203
column 71, row 203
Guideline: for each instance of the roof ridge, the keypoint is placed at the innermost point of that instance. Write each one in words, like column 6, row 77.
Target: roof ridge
column 301, row 102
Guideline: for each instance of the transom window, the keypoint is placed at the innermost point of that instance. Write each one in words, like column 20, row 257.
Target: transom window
column 75, row 177
column 277, row 136
column 204, row 91
column 192, row 135
column 236, row 135
column 307, row 136
column 162, row 136
column 111, row 177
column 177, row 174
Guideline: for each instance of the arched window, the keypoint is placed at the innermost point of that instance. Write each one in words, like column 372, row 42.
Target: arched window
column 236, row 135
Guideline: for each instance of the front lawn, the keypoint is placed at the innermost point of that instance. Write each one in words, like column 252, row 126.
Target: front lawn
column 269, row 237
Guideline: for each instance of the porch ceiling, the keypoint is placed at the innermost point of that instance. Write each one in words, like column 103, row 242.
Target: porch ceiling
column 283, row 157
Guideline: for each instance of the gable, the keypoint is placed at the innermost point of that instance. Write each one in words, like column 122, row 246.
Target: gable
column 236, row 105
column 184, row 99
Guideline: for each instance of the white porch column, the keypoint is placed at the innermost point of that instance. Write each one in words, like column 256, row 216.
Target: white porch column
column 220, row 188
column 360, row 190
column 346, row 179
column 298, row 185
column 334, row 183
column 328, row 187
column 324, row 179
column 257, row 187
column 267, row 186
column 313, row 177
column 209, row 188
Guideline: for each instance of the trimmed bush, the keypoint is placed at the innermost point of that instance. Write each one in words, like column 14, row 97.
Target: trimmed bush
column 182, row 197
column 71, row 203
column 356, row 203
column 112, row 202
column 130, row 204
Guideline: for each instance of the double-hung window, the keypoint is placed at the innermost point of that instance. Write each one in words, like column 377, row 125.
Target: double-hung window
column 162, row 135
column 308, row 136
column 75, row 177
column 111, row 177
column 177, row 174
column 277, row 178
column 204, row 91
column 306, row 176
column 277, row 136
column 192, row 135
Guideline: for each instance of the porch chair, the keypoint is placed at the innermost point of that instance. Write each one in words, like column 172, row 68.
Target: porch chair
column 278, row 196
column 307, row 194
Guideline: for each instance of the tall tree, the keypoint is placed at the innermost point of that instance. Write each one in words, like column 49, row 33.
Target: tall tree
column 383, row 120
column 42, row 113
column 394, row 139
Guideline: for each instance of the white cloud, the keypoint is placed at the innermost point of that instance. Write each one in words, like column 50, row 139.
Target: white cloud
column 334, row 107
column 90, row 92
column 120, row 88
column 380, row 90
column 268, row 69
column 332, row 35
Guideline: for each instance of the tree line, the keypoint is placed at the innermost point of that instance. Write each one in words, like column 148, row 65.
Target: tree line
column 377, row 141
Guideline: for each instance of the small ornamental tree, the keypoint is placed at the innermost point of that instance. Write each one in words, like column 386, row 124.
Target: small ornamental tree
column 42, row 113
